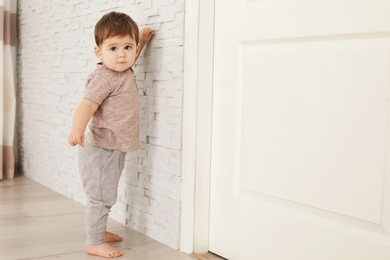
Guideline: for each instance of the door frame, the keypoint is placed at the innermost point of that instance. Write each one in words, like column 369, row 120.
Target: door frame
column 197, row 123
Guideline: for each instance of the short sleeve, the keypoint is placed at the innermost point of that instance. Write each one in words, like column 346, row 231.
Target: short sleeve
column 97, row 88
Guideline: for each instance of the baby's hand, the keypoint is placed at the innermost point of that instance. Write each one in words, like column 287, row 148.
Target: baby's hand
column 76, row 136
column 146, row 35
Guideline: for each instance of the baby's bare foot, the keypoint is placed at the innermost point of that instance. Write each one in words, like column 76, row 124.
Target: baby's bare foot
column 111, row 237
column 103, row 250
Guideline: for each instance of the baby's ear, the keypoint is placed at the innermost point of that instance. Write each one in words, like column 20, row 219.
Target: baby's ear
column 137, row 50
column 98, row 52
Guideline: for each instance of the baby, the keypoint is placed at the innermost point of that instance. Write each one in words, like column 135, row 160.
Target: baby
column 111, row 100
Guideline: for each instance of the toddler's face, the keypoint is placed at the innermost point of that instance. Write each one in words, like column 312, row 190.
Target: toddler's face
column 118, row 53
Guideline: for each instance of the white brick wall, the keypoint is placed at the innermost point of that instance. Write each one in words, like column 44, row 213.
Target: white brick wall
column 54, row 58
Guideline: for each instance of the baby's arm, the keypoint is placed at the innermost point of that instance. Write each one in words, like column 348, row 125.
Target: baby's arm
column 145, row 35
column 81, row 118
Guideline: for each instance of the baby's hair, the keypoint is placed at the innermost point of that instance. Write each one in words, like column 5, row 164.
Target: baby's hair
column 115, row 24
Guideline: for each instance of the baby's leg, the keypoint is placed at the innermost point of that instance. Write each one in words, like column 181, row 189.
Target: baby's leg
column 100, row 171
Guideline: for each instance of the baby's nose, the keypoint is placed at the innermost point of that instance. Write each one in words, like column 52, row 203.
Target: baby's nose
column 122, row 54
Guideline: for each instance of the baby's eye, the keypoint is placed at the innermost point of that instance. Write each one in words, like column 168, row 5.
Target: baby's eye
column 128, row 47
column 113, row 48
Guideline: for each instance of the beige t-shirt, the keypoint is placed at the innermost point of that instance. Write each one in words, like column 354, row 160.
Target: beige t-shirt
column 115, row 124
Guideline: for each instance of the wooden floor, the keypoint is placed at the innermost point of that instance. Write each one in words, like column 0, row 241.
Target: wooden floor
column 37, row 223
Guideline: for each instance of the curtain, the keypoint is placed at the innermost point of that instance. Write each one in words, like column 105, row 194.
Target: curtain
column 7, row 87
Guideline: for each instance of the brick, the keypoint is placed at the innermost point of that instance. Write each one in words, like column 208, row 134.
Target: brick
column 55, row 56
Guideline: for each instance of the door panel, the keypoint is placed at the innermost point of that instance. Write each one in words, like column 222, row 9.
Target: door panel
column 315, row 128
column 300, row 130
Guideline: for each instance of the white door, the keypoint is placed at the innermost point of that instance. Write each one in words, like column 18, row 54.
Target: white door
column 300, row 136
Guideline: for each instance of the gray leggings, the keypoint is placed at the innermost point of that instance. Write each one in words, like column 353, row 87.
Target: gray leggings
column 100, row 170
